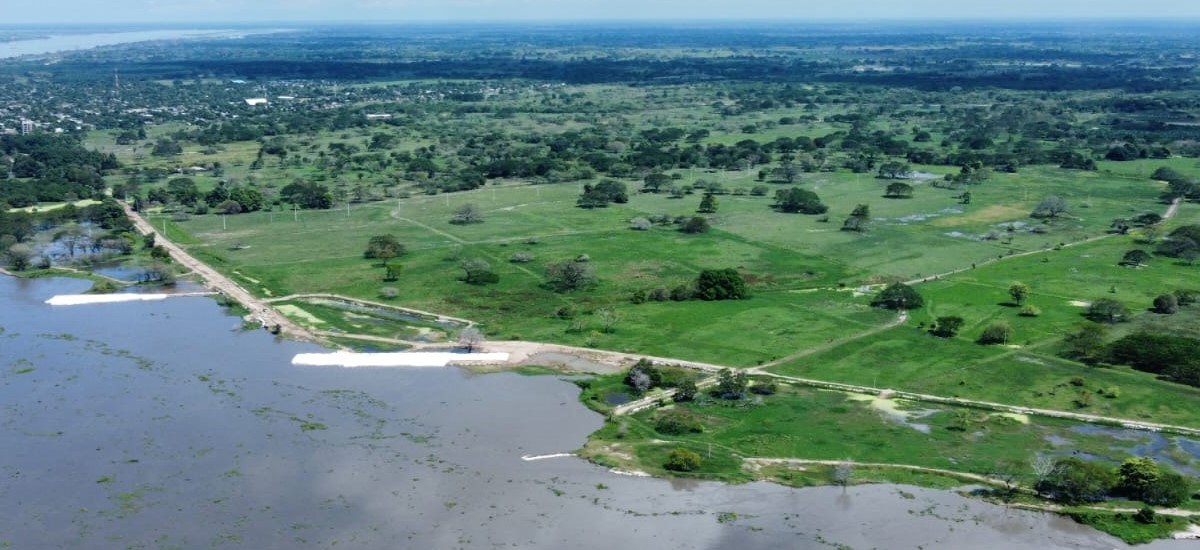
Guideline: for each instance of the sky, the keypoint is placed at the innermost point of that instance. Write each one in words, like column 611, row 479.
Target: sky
column 175, row 11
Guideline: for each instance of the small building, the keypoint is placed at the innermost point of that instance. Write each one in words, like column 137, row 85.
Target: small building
column 26, row 127
column 256, row 101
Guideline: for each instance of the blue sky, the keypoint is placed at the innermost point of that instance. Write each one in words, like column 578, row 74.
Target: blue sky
column 117, row 11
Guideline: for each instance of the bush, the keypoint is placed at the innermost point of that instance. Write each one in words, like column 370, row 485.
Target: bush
column 681, row 293
column 999, row 332
column 898, row 296
column 1167, row 304
column 660, row 294
column 521, row 257
column 677, row 423
column 721, row 284
column 1030, row 311
column 389, row 292
column 682, row 460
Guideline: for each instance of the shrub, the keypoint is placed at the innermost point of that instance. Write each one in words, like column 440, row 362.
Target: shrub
column 660, row 294
column 677, row 423
column 682, row 460
column 1167, row 304
column 521, row 257
column 681, row 293
column 389, row 292
column 999, row 332
column 1030, row 311
column 721, row 284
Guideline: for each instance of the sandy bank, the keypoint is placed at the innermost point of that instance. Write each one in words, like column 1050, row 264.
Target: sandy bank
column 399, row 359
column 83, row 299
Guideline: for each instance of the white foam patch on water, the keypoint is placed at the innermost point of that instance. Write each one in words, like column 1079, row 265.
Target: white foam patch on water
column 399, row 359
column 84, row 299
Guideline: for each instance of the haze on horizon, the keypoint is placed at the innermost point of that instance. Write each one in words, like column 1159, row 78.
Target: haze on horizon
column 314, row 11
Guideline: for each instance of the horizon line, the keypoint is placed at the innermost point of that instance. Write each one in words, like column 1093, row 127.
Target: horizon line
column 648, row 20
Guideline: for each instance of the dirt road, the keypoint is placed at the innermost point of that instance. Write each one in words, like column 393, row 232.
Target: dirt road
column 260, row 310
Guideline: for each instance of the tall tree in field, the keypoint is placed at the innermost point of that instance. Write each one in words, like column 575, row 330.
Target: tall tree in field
column 898, row 296
column 708, row 204
column 383, row 247
column 1019, row 291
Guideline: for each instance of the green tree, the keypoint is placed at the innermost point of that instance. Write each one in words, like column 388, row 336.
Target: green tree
column 1135, row 258
column 569, row 276
column 1018, row 291
column 947, row 326
column 732, row 384
column 894, row 170
column 1049, row 207
column 686, row 391
column 708, row 204
column 677, row 422
column 695, row 225
column 898, row 296
column 721, row 284
column 1167, row 304
column 683, row 460
column 796, row 200
column 383, row 247
column 898, row 190
column 1135, row 476
column 1086, row 342
column 19, row 256
column 859, row 219
column 1107, row 310
column 999, row 332
column 467, row 214
column 1076, row 481
column 477, row 271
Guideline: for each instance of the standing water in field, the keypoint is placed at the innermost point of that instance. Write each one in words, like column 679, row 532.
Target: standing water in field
column 163, row 424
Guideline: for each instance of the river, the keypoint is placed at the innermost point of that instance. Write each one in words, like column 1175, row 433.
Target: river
column 54, row 43
column 164, row 425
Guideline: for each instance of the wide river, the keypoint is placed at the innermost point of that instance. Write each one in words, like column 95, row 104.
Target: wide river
column 164, row 425
column 82, row 41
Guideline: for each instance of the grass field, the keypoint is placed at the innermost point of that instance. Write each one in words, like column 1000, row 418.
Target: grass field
column 826, row 425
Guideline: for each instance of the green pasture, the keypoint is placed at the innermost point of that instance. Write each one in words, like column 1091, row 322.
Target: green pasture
column 826, row 425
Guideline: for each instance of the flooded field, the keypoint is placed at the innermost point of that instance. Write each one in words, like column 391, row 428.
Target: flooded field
column 164, row 425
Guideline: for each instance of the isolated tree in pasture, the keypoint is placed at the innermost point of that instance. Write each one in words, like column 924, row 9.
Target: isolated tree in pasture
column 1018, row 291
column 797, row 200
column 470, row 338
column 1049, row 207
column 721, row 284
column 898, row 190
column 383, row 247
column 1135, row 258
column 859, row 220
column 570, row 275
column 477, row 271
column 1107, row 310
column 786, row 172
column 708, row 204
column 947, row 326
column 999, row 332
column 695, row 225
column 467, row 214
column 898, row 296
column 1181, row 243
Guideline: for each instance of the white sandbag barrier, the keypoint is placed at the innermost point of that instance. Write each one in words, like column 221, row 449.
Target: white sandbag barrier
column 398, row 359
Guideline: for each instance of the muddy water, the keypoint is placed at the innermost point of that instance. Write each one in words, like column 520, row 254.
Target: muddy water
column 162, row 425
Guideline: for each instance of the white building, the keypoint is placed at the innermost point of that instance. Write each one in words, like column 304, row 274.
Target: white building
column 26, row 126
